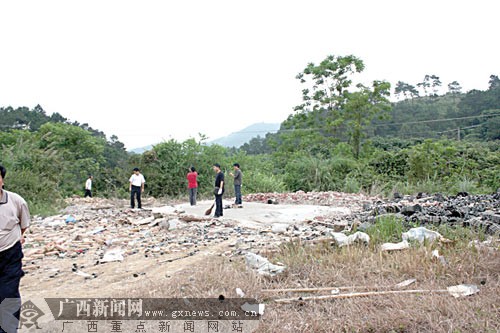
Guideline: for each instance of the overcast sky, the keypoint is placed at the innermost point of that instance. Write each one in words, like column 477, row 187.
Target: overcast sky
column 153, row 70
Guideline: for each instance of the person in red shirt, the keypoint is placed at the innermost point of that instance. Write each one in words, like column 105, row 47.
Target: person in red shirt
column 192, row 178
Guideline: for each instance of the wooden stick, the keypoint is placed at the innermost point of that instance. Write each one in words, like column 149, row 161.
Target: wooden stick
column 365, row 294
column 315, row 290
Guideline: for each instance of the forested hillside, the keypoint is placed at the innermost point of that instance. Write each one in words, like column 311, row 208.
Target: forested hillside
column 344, row 137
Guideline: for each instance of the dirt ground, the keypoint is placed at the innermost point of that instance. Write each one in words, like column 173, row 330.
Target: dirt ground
column 136, row 270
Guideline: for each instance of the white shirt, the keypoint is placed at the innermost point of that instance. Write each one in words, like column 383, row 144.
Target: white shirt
column 14, row 215
column 137, row 180
column 88, row 184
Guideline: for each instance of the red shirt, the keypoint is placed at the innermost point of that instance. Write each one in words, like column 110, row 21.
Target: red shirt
column 192, row 179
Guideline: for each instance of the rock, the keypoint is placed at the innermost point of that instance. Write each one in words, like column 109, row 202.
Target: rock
column 364, row 226
column 410, row 210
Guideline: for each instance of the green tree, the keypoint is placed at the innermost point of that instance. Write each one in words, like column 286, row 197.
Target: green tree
column 328, row 84
column 362, row 106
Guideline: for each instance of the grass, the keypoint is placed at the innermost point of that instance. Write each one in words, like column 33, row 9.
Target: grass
column 388, row 228
column 323, row 266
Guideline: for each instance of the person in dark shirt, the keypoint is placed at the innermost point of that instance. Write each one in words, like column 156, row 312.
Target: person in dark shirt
column 237, row 175
column 219, row 190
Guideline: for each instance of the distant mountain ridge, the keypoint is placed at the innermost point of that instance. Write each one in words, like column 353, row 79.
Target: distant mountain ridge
column 235, row 139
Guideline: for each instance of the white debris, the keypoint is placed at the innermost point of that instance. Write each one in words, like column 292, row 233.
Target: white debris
column 279, row 228
column 343, row 240
column 395, row 246
column 435, row 254
column 421, row 234
column 240, row 292
column 262, row 265
column 113, row 255
column 463, row 290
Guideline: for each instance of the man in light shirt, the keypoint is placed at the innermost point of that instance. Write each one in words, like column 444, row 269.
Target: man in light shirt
column 136, row 188
column 14, row 220
column 88, row 187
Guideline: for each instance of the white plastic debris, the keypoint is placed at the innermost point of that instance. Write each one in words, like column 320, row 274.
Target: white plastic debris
column 435, row 254
column 279, row 228
column 421, row 234
column 343, row 240
column 395, row 246
column 96, row 231
column 240, row 292
column 262, row 265
column 113, row 255
column 463, row 290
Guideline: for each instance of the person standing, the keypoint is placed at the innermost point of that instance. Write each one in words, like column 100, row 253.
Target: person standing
column 192, row 178
column 219, row 190
column 237, row 175
column 14, row 220
column 136, row 187
column 88, row 187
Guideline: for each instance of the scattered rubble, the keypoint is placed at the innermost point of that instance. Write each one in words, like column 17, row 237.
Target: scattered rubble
column 479, row 211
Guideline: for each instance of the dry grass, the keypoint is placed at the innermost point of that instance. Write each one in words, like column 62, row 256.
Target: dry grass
column 324, row 266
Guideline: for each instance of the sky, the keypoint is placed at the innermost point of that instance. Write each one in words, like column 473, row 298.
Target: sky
column 149, row 71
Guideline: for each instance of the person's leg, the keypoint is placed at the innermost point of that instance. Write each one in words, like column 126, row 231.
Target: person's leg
column 132, row 201
column 139, row 203
column 191, row 198
column 237, row 192
column 218, row 205
column 90, row 193
column 10, row 298
column 195, row 193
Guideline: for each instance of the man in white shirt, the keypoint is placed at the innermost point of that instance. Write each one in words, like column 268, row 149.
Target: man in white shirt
column 88, row 187
column 136, row 187
column 14, row 220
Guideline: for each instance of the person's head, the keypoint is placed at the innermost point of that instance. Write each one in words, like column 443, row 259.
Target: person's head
column 3, row 172
column 136, row 171
column 236, row 166
column 91, row 177
column 192, row 169
column 216, row 167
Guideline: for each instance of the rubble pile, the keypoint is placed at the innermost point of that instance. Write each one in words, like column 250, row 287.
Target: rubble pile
column 336, row 199
column 480, row 211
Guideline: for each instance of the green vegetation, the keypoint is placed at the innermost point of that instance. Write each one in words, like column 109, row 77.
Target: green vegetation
column 343, row 137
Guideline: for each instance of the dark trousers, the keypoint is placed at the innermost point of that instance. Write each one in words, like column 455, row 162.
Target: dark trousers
column 10, row 298
column 218, row 205
column 88, row 193
column 237, row 193
column 192, row 196
column 136, row 191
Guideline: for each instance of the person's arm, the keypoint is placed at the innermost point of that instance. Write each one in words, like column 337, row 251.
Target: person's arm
column 130, row 186
column 142, row 183
column 25, row 219
column 221, row 187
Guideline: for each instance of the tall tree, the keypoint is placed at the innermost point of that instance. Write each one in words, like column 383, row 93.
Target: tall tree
column 435, row 84
column 328, row 83
column 494, row 82
column 362, row 107
column 454, row 88
column 425, row 84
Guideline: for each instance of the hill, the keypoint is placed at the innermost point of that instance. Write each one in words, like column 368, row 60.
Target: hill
column 237, row 139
